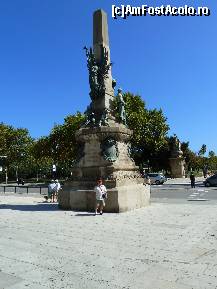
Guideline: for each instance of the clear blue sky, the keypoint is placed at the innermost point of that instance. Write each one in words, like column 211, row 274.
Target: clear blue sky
column 170, row 61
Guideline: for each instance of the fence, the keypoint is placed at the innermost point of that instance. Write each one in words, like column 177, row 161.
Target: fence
column 23, row 189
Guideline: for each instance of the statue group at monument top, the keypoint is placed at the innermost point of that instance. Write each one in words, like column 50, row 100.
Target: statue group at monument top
column 101, row 110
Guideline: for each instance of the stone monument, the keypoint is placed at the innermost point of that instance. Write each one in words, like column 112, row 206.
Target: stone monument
column 104, row 139
column 177, row 162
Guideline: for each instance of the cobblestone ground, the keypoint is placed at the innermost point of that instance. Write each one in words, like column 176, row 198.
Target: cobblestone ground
column 163, row 246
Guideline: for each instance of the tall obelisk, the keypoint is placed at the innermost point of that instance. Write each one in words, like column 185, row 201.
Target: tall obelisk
column 100, row 41
column 100, row 33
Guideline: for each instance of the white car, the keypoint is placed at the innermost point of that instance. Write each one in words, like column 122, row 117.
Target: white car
column 156, row 178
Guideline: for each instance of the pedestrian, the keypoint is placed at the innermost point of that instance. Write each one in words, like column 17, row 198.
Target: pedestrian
column 192, row 178
column 51, row 190
column 57, row 188
column 101, row 196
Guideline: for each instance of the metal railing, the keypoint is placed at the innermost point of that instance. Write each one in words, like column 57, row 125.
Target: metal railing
column 17, row 188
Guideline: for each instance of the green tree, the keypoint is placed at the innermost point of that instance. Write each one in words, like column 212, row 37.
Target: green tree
column 212, row 161
column 15, row 144
column 211, row 154
column 149, row 129
column 202, row 151
column 60, row 146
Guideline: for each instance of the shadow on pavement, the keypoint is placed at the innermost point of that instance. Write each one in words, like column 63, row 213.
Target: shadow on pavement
column 33, row 208
column 85, row 215
column 198, row 184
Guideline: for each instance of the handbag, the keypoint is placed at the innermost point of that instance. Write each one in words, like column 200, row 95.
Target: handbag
column 104, row 196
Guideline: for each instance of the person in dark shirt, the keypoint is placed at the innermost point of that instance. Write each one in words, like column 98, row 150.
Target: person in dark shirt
column 192, row 178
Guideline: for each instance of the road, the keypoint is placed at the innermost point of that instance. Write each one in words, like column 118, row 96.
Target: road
column 182, row 192
column 173, row 191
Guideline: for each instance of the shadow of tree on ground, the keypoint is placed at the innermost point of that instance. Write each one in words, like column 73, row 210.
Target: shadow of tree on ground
column 32, row 208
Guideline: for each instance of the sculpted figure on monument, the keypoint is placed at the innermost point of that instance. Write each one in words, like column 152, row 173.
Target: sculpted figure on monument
column 176, row 143
column 90, row 116
column 104, row 118
column 121, row 107
column 176, row 147
column 98, row 72
column 93, row 73
column 114, row 83
column 104, row 67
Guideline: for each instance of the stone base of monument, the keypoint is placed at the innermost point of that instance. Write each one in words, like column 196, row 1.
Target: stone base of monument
column 106, row 155
column 177, row 166
column 120, row 199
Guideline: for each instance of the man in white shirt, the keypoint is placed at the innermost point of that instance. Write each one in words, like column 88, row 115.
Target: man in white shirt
column 101, row 195
column 57, row 188
column 51, row 188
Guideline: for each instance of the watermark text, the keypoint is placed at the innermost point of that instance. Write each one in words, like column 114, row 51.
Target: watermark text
column 125, row 11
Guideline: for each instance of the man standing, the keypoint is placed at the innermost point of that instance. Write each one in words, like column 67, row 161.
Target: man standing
column 192, row 178
column 51, row 190
column 57, row 188
column 101, row 195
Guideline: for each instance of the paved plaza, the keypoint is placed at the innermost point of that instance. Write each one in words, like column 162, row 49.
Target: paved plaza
column 161, row 246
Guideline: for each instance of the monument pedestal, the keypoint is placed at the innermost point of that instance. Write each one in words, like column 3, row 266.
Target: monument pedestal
column 120, row 199
column 104, row 139
column 106, row 155
column 177, row 166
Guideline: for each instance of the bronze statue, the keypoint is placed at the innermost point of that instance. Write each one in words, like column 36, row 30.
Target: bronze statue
column 176, row 143
column 121, row 107
column 98, row 72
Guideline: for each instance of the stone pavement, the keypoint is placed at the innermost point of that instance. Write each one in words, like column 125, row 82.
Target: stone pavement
column 163, row 246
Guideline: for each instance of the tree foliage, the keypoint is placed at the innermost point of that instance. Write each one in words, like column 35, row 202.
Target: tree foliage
column 60, row 146
column 15, row 144
column 149, row 129
column 202, row 150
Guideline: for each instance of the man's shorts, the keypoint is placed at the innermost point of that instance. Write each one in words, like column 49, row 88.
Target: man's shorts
column 100, row 202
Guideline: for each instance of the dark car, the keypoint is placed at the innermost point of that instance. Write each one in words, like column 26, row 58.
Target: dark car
column 211, row 181
column 20, row 182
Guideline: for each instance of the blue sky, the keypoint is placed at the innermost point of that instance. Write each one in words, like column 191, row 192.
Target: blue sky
column 170, row 61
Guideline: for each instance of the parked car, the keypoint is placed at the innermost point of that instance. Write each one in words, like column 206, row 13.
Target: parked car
column 156, row 178
column 211, row 181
